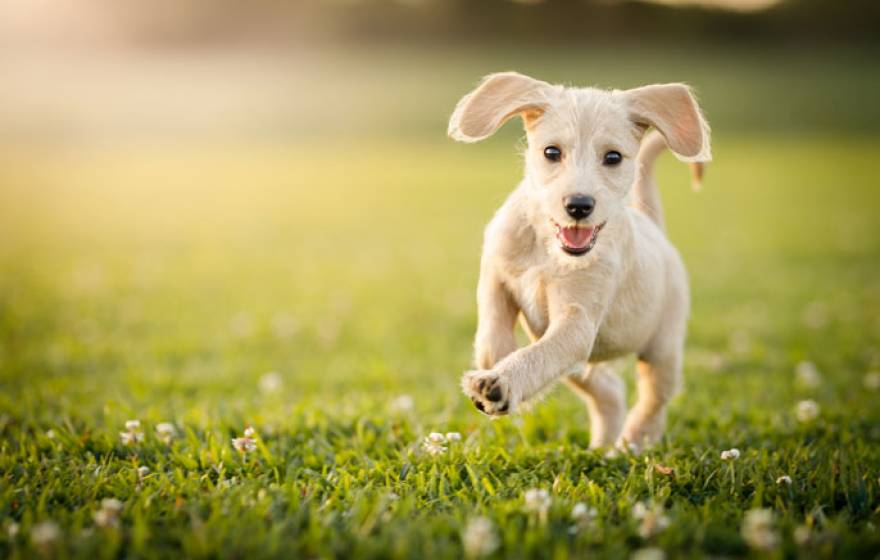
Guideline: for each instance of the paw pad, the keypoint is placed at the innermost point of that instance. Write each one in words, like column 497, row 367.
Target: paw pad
column 488, row 391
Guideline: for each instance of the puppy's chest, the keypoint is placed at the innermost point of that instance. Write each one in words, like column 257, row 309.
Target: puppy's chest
column 529, row 290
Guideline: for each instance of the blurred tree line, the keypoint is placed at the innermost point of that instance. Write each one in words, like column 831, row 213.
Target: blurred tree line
column 544, row 21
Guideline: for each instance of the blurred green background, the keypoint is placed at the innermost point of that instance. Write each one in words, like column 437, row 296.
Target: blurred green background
column 192, row 195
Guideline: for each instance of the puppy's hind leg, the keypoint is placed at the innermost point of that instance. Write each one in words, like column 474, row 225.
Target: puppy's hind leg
column 659, row 369
column 605, row 396
column 659, row 377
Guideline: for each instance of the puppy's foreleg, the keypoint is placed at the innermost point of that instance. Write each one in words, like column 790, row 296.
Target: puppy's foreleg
column 496, row 321
column 527, row 371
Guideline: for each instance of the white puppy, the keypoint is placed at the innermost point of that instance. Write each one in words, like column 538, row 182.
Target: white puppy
column 578, row 250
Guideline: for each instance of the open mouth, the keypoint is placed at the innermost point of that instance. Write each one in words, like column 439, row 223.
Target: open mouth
column 577, row 240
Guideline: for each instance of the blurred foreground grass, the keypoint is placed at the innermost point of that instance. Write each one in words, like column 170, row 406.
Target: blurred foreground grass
column 163, row 283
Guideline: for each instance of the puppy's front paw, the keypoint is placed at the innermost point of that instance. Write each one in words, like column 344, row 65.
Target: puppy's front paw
column 489, row 391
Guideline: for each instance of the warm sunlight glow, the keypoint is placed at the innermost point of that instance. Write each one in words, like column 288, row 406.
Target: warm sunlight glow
column 737, row 5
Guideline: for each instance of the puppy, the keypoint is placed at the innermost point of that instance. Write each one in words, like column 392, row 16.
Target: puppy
column 578, row 250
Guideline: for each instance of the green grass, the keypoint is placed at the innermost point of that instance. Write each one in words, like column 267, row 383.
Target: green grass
column 161, row 283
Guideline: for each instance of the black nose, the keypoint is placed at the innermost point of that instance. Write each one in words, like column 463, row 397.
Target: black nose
column 579, row 207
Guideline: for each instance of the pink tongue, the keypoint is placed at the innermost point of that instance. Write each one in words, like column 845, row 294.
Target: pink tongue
column 577, row 238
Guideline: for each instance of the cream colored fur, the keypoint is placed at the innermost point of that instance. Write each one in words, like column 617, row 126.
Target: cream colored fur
column 629, row 294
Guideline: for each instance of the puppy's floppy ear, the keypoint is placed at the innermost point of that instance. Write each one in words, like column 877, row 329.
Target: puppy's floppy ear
column 672, row 109
column 498, row 97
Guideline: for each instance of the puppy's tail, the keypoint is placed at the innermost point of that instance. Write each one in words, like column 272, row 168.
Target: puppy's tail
column 646, row 196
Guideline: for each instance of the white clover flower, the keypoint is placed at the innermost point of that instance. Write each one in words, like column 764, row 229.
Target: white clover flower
column 872, row 380
column 129, row 438
column 111, row 504
column 165, row 432
column 652, row 524
column 242, row 325
column 284, row 326
column 802, row 535
column 537, row 500
column 582, row 513
column 108, row 515
column 653, row 520
column 103, row 518
column 143, row 471
column 807, row 411
column 730, row 454
column 815, row 315
column 402, row 403
column 758, row 529
column 244, row 444
column 784, row 479
column 50, row 434
column 45, row 533
column 270, row 382
column 247, row 443
column 132, row 433
column 639, row 510
column 808, row 374
column 12, row 529
column 453, row 436
column 479, row 538
column 434, row 443
column 648, row 553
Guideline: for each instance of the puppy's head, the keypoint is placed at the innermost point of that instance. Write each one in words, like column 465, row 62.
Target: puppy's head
column 581, row 157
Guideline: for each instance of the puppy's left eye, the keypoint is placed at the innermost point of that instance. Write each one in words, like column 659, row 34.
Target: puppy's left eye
column 612, row 157
column 553, row 153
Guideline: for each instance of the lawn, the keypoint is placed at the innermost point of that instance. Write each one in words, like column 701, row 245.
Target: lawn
column 322, row 293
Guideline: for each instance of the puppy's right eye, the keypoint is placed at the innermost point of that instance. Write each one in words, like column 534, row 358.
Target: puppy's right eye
column 553, row 153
